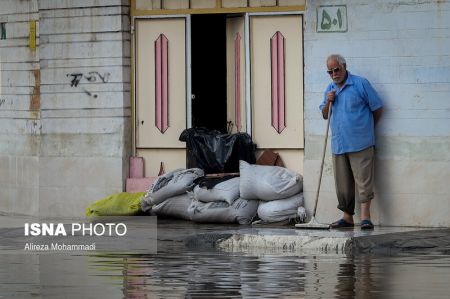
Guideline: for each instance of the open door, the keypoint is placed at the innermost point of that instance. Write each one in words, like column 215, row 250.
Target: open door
column 235, row 38
column 209, row 88
column 218, row 72
column 161, row 92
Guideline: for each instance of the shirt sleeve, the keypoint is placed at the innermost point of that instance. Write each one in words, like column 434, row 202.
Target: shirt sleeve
column 372, row 98
column 324, row 100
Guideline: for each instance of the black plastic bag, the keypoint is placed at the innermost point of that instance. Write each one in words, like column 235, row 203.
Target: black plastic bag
column 215, row 152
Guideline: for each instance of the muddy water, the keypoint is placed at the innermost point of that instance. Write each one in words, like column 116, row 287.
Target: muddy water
column 183, row 267
column 180, row 272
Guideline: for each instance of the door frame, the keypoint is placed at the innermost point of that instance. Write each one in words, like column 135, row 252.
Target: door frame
column 248, row 95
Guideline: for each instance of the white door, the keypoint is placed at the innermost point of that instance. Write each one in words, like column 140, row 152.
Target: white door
column 160, row 64
column 236, row 113
column 277, row 81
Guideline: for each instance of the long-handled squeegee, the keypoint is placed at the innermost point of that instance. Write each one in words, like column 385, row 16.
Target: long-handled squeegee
column 313, row 224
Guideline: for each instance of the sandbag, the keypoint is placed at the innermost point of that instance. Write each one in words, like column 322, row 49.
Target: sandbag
column 118, row 204
column 176, row 207
column 268, row 182
column 280, row 210
column 242, row 211
column 225, row 191
column 171, row 184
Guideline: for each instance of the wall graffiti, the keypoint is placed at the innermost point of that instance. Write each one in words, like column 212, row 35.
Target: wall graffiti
column 90, row 77
column 93, row 77
column 94, row 95
column 2, row 30
column 75, row 79
column 2, row 101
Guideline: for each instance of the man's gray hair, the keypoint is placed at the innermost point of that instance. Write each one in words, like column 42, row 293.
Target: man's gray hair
column 339, row 58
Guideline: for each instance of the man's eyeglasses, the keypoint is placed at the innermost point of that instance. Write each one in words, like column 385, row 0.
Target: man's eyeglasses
column 335, row 70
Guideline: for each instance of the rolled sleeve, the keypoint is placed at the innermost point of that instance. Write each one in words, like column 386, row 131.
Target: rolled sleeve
column 373, row 100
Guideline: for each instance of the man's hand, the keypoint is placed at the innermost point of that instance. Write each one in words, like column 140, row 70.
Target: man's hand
column 330, row 99
column 330, row 96
column 377, row 115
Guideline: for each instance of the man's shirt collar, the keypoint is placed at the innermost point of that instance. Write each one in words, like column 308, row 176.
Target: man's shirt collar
column 348, row 81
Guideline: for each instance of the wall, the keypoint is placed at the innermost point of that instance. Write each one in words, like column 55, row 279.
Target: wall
column 209, row 4
column 64, row 143
column 19, row 120
column 402, row 47
column 65, row 116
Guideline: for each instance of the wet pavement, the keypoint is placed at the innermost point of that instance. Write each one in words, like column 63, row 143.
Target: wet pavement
column 232, row 261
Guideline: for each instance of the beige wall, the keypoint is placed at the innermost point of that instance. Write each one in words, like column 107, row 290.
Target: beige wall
column 171, row 158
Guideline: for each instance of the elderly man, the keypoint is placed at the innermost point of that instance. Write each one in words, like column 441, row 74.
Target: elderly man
column 356, row 108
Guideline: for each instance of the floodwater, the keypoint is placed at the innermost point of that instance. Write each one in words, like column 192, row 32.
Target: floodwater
column 179, row 270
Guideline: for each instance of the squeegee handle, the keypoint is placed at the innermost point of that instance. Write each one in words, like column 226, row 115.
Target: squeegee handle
column 323, row 158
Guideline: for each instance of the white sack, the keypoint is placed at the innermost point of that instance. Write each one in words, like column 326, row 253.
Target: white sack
column 176, row 207
column 171, row 184
column 268, row 182
column 280, row 210
column 242, row 211
column 226, row 191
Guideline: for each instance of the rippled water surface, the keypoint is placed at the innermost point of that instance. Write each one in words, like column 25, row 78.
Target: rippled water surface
column 197, row 274
column 181, row 271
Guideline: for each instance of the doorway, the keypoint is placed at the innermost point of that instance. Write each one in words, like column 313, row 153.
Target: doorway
column 209, row 71
column 211, row 83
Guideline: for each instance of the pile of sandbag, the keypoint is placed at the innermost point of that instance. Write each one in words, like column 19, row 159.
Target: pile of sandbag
column 278, row 189
column 168, row 193
column 218, row 200
column 180, row 194
column 220, row 204
column 271, row 192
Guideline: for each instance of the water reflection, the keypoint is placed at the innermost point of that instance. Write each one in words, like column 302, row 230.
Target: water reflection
column 345, row 287
column 178, row 272
column 355, row 279
column 209, row 275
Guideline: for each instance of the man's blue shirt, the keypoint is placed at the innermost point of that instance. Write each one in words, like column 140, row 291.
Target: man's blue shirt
column 351, row 122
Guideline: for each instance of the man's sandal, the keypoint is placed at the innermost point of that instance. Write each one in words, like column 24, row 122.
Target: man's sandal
column 341, row 223
column 366, row 224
